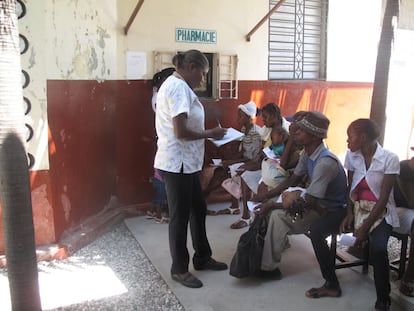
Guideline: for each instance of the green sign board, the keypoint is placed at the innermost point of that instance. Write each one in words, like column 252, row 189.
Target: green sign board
column 195, row 35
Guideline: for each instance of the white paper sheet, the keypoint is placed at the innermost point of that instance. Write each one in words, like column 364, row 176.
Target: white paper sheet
column 136, row 65
column 217, row 162
column 234, row 168
column 347, row 240
column 251, row 205
column 270, row 154
column 231, row 135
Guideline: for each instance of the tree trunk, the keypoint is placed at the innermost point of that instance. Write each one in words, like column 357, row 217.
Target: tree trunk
column 15, row 194
column 380, row 89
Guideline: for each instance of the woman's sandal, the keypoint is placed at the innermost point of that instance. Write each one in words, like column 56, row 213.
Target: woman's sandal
column 151, row 215
column 229, row 211
column 407, row 288
column 324, row 292
column 163, row 220
column 241, row 223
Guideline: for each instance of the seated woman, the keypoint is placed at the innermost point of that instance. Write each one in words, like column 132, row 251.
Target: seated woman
column 404, row 199
column 251, row 172
column 249, row 148
column 372, row 172
column 271, row 172
column 288, row 160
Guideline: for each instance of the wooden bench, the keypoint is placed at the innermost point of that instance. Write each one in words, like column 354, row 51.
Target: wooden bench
column 345, row 260
column 399, row 264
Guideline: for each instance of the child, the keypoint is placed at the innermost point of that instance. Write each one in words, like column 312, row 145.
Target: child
column 279, row 137
column 157, row 80
column 159, row 210
column 272, row 173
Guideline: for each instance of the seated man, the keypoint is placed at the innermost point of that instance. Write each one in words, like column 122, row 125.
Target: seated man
column 404, row 198
column 324, row 203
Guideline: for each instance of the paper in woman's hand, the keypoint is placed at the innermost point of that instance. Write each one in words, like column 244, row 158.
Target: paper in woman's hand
column 251, row 205
column 231, row 135
column 270, row 154
column 217, row 162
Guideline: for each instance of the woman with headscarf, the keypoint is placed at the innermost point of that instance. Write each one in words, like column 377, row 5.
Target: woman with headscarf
column 249, row 148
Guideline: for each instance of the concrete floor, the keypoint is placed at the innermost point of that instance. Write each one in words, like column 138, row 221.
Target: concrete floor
column 223, row 292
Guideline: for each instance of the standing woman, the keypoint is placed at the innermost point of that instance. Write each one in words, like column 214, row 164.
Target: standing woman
column 372, row 172
column 179, row 123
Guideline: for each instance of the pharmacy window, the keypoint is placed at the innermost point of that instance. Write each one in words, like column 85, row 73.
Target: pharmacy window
column 221, row 81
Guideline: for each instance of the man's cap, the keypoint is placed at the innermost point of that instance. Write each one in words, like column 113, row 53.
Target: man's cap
column 315, row 123
column 249, row 108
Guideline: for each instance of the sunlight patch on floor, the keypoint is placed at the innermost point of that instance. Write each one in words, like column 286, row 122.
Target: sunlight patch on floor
column 67, row 284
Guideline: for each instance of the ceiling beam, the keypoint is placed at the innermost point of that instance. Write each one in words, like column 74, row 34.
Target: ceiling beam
column 132, row 17
column 266, row 17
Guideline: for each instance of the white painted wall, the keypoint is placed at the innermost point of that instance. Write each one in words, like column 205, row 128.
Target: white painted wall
column 81, row 39
column 154, row 30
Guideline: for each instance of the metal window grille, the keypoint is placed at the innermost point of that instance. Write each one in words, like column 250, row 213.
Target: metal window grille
column 297, row 40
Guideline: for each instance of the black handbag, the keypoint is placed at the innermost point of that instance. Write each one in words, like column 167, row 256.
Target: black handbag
column 248, row 257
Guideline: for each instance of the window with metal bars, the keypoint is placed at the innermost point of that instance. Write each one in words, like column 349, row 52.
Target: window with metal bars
column 297, row 40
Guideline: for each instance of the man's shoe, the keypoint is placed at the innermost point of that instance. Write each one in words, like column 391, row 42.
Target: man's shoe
column 187, row 279
column 211, row 264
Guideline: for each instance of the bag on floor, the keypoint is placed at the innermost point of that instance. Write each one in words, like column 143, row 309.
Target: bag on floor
column 248, row 257
column 233, row 186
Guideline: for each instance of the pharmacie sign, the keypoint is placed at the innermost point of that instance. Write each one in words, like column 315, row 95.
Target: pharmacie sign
column 195, row 35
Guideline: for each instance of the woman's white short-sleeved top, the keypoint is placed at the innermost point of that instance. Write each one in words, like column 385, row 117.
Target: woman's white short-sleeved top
column 173, row 154
column 383, row 162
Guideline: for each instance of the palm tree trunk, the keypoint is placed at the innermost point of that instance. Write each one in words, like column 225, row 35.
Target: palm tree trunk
column 380, row 89
column 15, row 194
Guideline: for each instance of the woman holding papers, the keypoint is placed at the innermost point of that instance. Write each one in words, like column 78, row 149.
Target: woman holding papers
column 252, row 174
column 249, row 148
column 179, row 124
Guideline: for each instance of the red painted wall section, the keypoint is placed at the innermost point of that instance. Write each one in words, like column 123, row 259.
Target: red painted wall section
column 341, row 102
column 101, row 144
column 102, row 140
column 81, row 118
column 135, row 141
column 42, row 207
